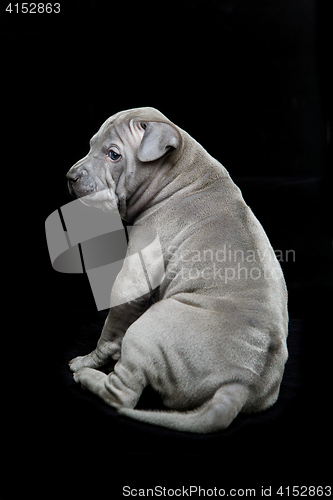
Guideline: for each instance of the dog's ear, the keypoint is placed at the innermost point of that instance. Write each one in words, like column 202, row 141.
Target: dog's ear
column 158, row 138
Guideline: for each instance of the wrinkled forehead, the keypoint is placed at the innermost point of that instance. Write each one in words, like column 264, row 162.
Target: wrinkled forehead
column 118, row 127
column 122, row 131
column 124, row 126
column 124, row 119
column 106, row 131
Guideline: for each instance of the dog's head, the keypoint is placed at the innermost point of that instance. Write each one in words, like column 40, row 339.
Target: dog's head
column 127, row 158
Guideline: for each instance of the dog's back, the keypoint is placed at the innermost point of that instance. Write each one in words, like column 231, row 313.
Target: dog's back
column 224, row 319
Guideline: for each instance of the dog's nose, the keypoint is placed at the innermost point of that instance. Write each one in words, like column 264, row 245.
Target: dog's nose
column 80, row 182
column 72, row 177
column 75, row 175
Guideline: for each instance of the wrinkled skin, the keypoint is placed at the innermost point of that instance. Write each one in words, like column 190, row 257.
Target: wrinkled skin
column 119, row 183
column 213, row 344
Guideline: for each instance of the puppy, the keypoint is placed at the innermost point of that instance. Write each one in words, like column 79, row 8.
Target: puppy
column 213, row 343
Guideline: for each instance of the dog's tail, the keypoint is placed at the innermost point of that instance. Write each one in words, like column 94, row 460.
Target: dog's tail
column 213, row 416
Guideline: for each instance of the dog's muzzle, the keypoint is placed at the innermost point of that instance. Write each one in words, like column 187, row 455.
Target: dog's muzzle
column 80, row 183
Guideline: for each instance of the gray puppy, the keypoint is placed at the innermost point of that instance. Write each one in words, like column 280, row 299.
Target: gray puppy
column 213, row 343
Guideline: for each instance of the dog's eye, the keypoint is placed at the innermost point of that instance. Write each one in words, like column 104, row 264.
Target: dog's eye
column 113, row 155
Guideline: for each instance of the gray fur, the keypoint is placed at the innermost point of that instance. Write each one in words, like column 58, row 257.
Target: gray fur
column 213, row 344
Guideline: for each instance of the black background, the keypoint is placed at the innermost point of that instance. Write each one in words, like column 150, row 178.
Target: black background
column 250, row 81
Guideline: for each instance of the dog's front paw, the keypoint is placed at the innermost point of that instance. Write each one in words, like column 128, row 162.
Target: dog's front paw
column 101, row 356
column 89, row 361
